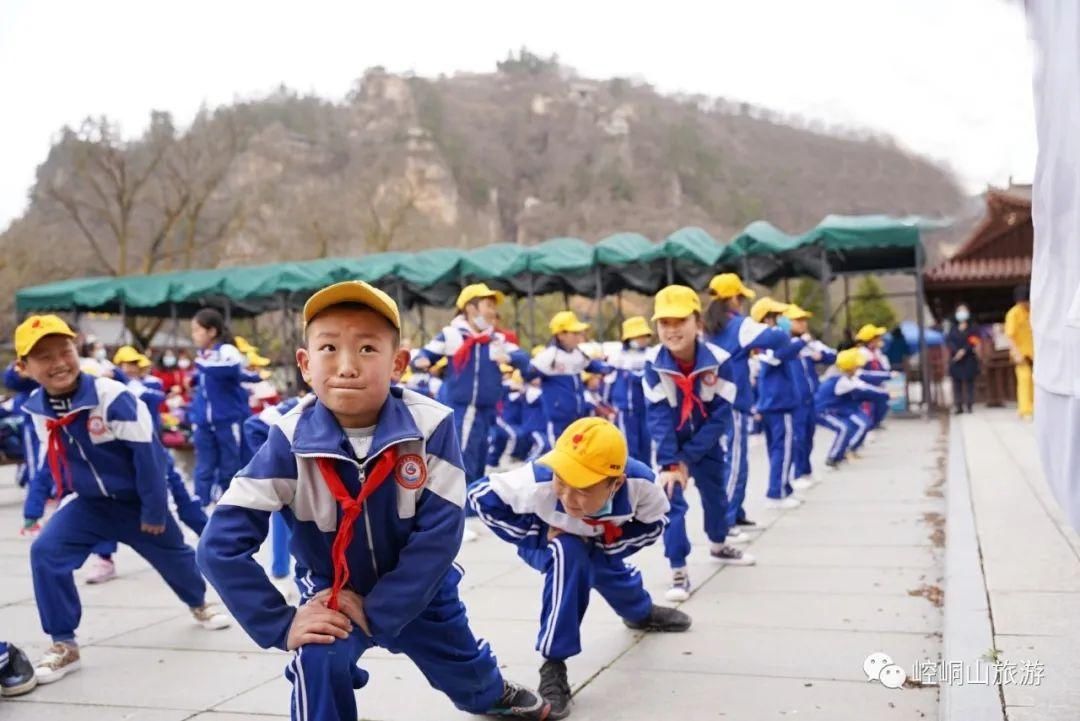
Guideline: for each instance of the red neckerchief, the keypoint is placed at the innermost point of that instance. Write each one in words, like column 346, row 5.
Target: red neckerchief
column 57, row 452
column 685, row 383
column 612, row 531
column 461, row 355
column 350, row 508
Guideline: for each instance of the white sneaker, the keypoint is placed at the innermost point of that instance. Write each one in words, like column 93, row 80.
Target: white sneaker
column 469, row 535
column 801, row 484
column 731, row 556
column 60, row 660
column 680, row 586
column 102, row 570
column 210, row 619
column 782, row 504
column 735, row 536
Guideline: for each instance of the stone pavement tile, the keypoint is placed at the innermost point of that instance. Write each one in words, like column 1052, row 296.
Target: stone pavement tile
column 219, row 716
column 1036, row 613
column 780, row 652
column 481, row 573
column 134, row 589
column 16, row 566
column 867, row 556
column 163, row 679
column 28, row 708
column 1058, row 688
column 835, row 611
column 842, row 534
column 396, row 691
column 22, row 625
column 826, row 579
column 182, row 635
column 15, row 589
column 632, row 696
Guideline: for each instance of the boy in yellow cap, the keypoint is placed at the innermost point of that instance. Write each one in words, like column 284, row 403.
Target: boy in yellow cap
column 369, row 478
column 837, row 401
column 559, row 365
column 689, row 396
column 875, row 370
column 575, row 514
column 781, row 393
column 624, row 390
column 102, row 450
column 472, row 381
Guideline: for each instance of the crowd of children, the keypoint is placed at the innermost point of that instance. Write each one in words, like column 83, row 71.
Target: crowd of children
column 578, row 461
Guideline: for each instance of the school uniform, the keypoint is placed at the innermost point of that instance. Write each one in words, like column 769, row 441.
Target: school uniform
column 103, row 449
column 218, row 410
column 876, row 371
column 806, row 416
column 563, row 396
column 688, row 412
column 626, row 395
column 256, row 430
column 404, row 538
column 520, row 506
column 472, row 382
column 739, row 336
column 781, row 397
column 22, row 387
column 836, row 405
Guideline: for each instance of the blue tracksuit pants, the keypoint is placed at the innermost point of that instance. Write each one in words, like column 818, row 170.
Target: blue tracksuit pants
column 861, row 425
column 217, row 458
column 804, row 421
column 738, row 469
column 501, row 443
column 780, row 441
column 187, row 508
column 843, row 430
column 879, row 409
column 440, row 643
column 572, row 567
column 71, row 535
column 638, row 440
column 473, row 424
column 709, row 477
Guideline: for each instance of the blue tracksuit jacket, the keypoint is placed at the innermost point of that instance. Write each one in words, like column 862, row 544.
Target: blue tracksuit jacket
column 560, row 373
column 740, row 336
column 219, row 396
column 479, row 381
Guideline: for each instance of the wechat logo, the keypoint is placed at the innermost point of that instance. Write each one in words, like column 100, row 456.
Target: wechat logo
column 880, row 667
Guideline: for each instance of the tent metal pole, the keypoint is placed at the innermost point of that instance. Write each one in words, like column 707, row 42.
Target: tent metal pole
column 286, row 335
column 517, row 316
column 175, row 323
column 423, row 324
column 847, row 305
column 599, row 304
column 123, row 321
column 401, row 305
column 228, row 311
column 670, row 267
column 531, row 305
column 826, row 278
column 787, row 291
column 746, row 269
column 924, row 361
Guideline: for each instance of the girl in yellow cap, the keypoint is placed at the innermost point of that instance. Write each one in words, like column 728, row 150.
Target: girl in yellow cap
column 625, row 391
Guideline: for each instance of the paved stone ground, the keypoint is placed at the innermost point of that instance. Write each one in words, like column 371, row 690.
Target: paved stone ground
column 1031, row 559
column 852, row 572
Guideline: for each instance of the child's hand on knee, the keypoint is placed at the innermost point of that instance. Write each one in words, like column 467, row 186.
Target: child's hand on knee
column 315, row 623
column 351, row 604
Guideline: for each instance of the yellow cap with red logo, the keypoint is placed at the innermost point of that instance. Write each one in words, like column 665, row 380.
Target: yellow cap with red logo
column 587, row 452
column 36, row 327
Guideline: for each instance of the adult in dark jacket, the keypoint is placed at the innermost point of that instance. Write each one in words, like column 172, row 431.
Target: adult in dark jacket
column 963, row 342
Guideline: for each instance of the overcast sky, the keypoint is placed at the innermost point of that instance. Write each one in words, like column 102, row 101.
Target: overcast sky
column 949, row 79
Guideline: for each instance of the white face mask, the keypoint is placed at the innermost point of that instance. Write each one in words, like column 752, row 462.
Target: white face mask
column 100, row 354
column 480, row 322
column 963, row 315
column 639, row 344
column 168, row 361
column 183, row 363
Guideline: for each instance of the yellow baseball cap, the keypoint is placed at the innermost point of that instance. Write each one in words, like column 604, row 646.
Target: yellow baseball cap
column 729, row 285
column 635, row 327
column 765, row 306
column 243, row 346
column 676, row 301
column 566, row 321
column 794, row 312
column 36, row 327
column 869, row 332
column 478, row 290
column 126, row 354
column 850, row 359
column 144, row 361
column 256, row 360
column 353, row 291
column 587, row 452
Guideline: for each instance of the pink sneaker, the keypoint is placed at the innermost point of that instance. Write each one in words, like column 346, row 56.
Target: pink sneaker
column 101, row 571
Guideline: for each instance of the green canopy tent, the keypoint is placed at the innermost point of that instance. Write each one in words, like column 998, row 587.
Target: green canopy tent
column 692, row 257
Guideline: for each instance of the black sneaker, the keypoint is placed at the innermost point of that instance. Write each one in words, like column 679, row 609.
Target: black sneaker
column 744, row 522
column 17, row 675
column 555, row 688
column 520, row 702
column 661, row 618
